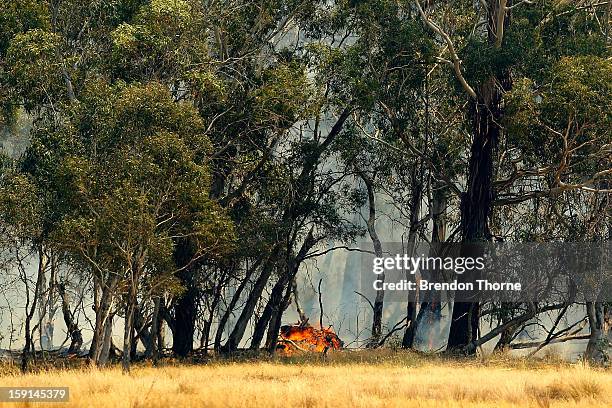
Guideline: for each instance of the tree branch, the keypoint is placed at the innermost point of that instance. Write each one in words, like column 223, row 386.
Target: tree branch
column 456, row 62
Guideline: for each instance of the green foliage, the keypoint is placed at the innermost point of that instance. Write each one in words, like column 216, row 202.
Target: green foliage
column 164, row 40
column 19, row 16
column 129, row 166
column 573, row 102
column 214, row 126
column 21, row 212
column 34, row 72
column 284, row 97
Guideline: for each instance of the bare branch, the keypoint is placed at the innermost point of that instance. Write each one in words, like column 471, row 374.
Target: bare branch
column 451, row 49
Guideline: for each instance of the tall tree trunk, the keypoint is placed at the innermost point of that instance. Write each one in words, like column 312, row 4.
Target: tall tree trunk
column 43, row 304
column 377, row 310
column 415, row 213
column 276, row 321
column 106, row 342
column 186, row 306
column 100, row 345
column 153, row 352
column 486, row 112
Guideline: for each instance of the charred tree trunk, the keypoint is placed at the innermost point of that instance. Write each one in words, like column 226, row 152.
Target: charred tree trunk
column 186, row 307
column 410, row 332
column 486, row 112
column 276, row 321
column 185, row 312
column 476, row 207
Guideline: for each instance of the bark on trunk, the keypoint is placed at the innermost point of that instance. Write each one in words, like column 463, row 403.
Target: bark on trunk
column 153, row 353
column 76, row 337
column 107, row 342
column 598, row 347
column 486, row 112
column 185, row 308
column 415, row 213
column 377, row 309
column 505, row 339
column 128, row 331
column 100, row 345
column 276, row 321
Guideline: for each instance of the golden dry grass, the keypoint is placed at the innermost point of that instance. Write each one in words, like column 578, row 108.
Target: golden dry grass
column 361, row 380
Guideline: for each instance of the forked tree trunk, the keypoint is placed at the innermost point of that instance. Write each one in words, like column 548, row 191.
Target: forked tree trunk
column 76, row 337
column 103, row 328
column 106, row 343
column 279, row 307
column 31, row 308
column 276, row 321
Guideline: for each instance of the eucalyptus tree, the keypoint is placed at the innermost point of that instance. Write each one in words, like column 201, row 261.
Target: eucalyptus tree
column 492, row 46
column 62, row 59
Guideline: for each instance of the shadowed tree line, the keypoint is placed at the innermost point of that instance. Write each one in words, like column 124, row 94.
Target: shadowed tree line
column 178, row 162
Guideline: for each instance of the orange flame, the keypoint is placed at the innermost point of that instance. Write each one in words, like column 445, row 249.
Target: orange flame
column 307, row 338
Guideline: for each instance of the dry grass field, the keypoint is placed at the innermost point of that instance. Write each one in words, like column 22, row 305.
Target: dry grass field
column 363, row 379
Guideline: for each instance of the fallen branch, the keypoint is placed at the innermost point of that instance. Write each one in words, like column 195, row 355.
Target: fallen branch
column 532, row 344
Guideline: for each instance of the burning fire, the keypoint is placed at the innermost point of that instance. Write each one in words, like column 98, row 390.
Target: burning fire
column 304, row 337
